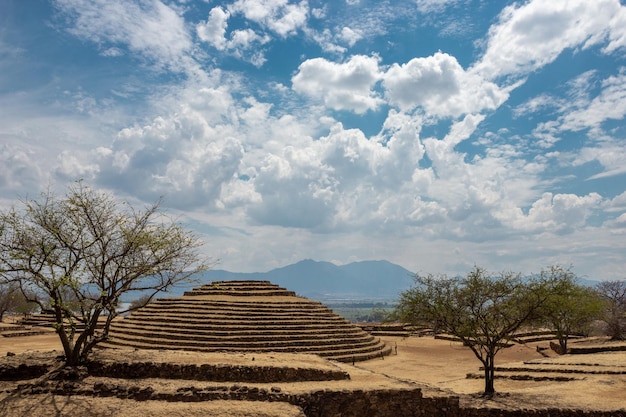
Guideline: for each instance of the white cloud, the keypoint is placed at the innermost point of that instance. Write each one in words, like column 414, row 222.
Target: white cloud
column 610, row 154
column 617, row 204
column 214, row 29
column 152, row 29
column 559, row 212
column 582, row 112
column 180, row 156
column 240, row 41
column 345, row 86
column 609, row 104
column 350, row 36
column 278, row 16
column 533, row 34
column 430, row 6
column 440, row 85
column 19, row 169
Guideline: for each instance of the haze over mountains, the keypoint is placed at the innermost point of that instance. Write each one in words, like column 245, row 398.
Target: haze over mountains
column 371, row 280
column 324, row 281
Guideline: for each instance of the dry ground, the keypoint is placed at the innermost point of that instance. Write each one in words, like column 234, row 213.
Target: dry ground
column 444, row 365
column 439, row 367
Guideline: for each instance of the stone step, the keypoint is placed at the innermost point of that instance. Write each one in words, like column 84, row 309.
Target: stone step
column 310, row 345
column 244, row 316
column 207, row 304
column 236, row 321
column 16, row 328
column 21, row 333
column 246, row 342
column 343, row 355
column 221, row 330
column 252, row 320
column 232, row 311
column 242, row 329
column 241, row 288
column 258, row 293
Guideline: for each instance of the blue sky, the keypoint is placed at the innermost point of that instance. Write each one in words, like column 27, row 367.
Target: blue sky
column 436, row 134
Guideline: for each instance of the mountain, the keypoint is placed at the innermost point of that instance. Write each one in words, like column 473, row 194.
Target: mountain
column 367, row 280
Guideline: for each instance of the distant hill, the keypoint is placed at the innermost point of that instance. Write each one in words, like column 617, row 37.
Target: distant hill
column 324, row 281
column 367, row 280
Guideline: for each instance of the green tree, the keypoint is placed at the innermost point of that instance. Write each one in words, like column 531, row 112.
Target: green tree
column 614, row 295
column 8, row 298
column 570, row 307
column 482, row 310
column 140, row 301
column 83, row 251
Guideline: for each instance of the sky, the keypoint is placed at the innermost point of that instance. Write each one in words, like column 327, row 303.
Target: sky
column 435, row 134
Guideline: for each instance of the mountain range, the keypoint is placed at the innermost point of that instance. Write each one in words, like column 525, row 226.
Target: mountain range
column 324, row 281
column 366, row 280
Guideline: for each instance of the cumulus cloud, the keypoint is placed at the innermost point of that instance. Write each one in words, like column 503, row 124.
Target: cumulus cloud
column 350, row 36
column 441, row 86
column 181, row 156
column 213, row 31
column 279, row 16
column 343, row 86
column 530, row 35
column 295, row 190
column 19, row 169
column 559, row 212
column 240, row 41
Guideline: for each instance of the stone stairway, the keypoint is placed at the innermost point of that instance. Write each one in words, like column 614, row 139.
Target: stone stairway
column 245, row 316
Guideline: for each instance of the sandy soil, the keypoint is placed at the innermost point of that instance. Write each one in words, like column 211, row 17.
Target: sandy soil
column 444, row 365
column 439, row 367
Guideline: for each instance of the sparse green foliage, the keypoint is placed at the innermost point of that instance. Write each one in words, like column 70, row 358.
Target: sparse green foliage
column 614, row 295
column 569, row 307
column 482, row 310
column 8, row 296
column 12, row 300
column 83, row 251
column 140, row 302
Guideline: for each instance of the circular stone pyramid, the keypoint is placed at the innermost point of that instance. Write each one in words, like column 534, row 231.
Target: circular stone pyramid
column 245, row 316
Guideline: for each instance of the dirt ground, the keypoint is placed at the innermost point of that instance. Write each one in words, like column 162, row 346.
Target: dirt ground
column 445, row 364
column 439, row 367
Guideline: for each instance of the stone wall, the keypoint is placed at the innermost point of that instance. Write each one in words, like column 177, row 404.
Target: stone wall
column 210, row 372
column 326, row 403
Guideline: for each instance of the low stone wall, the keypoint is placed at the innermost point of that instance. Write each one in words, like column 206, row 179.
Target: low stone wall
column 326, row 403
column 379, row 403
column 211, row 372
column 549, row 412
column 9, row 372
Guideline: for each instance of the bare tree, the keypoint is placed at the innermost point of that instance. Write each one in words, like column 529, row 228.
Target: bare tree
column 614, row 295
column 482, row 310
column 83, row 251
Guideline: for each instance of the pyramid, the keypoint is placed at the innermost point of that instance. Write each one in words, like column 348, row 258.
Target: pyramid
column 245, row 316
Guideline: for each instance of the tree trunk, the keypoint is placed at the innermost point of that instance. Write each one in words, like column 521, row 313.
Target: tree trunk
column 563, row 343
column 489, row 366
column 66, row 341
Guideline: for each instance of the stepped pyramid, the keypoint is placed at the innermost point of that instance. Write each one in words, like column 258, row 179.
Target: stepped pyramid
column 245, row 316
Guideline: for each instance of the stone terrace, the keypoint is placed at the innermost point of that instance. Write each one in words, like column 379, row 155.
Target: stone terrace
column 245, row 316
